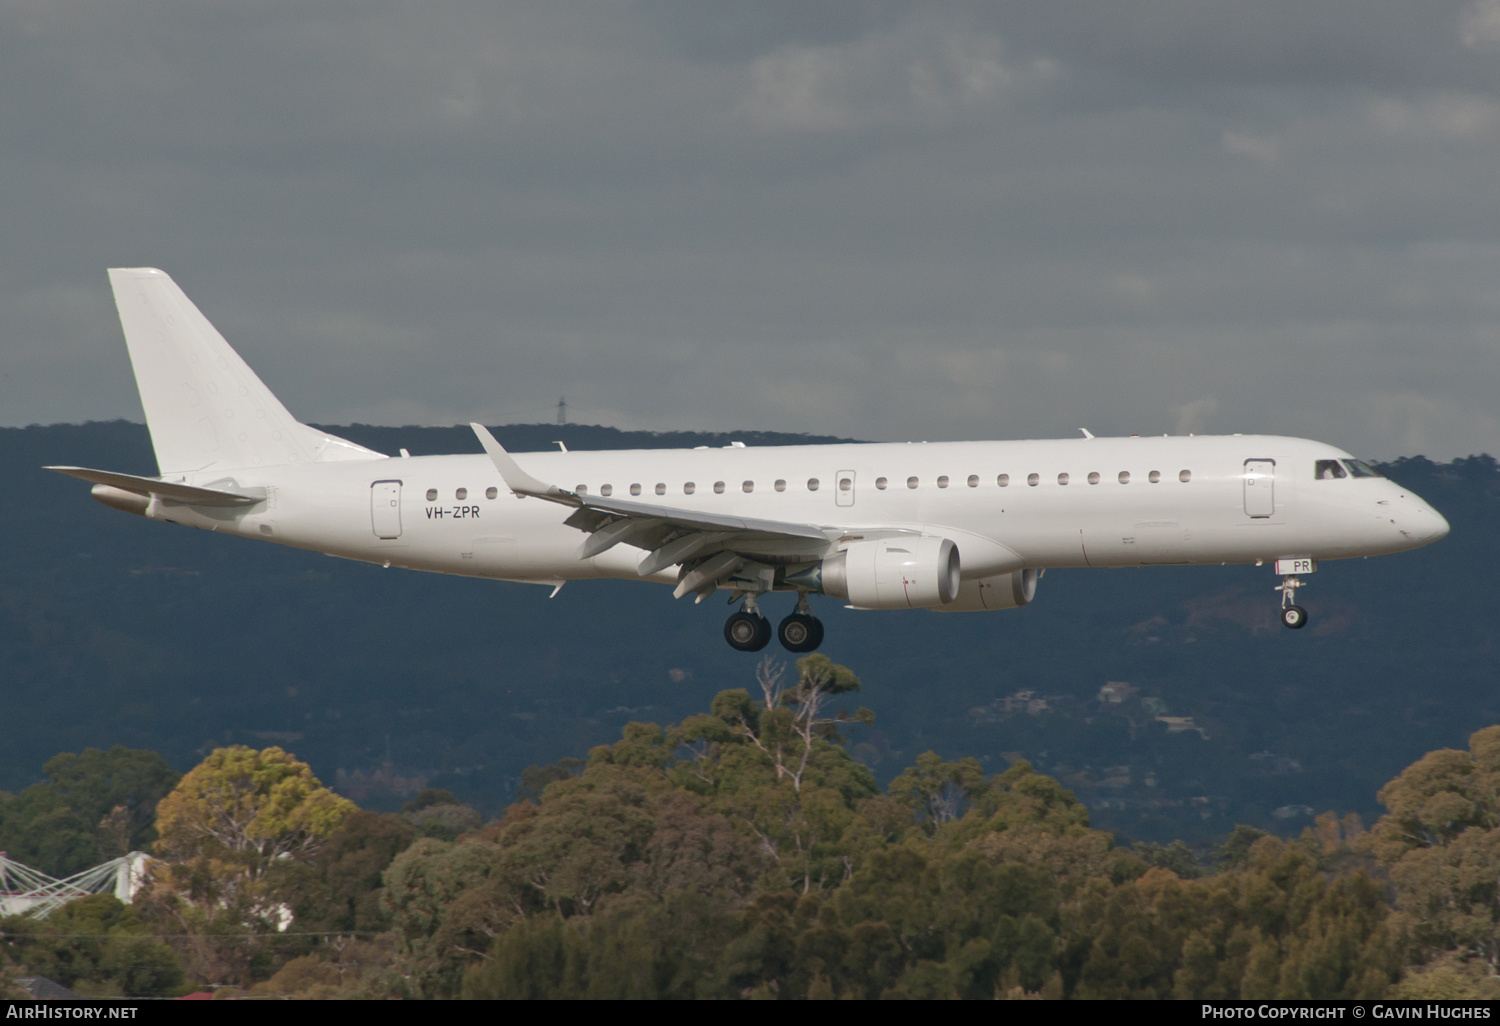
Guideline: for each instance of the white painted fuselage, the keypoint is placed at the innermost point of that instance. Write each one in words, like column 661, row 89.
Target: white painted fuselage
column 1153, row 500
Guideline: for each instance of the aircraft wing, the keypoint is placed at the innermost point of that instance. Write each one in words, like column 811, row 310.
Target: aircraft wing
column 711, row 547
column 190, row 494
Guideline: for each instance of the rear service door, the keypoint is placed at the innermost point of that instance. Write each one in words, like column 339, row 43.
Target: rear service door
column 385, row 509
column 1260, row 488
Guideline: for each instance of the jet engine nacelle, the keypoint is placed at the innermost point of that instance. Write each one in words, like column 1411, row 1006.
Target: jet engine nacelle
column 1003, row 591
column 894, row 573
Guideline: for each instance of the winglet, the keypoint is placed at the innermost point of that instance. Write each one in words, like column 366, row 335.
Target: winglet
column 516, row 479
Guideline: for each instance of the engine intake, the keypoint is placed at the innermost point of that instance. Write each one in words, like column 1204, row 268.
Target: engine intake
column 894, row 573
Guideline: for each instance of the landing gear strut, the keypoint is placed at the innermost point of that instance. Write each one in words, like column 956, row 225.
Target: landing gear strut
column 801, row 631
column 1292, row 615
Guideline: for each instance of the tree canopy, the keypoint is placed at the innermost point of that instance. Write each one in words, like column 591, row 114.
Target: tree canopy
column 743, row 852
column 259, row 804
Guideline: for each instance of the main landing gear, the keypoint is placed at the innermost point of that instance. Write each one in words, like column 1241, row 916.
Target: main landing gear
column 749, row 631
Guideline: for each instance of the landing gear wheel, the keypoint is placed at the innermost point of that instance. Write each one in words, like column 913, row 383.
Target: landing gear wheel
column 1294, row 617
column 800, row 632
column 747, row 632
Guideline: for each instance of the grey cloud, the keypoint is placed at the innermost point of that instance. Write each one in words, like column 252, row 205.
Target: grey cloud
column 874, row 220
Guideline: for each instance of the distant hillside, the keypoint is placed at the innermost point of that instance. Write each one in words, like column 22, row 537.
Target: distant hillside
column 119, row 630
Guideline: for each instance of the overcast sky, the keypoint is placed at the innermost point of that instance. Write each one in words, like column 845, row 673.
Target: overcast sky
column 885, row 221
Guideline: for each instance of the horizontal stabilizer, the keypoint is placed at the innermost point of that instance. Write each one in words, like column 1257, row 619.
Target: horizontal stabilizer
column 189, row 494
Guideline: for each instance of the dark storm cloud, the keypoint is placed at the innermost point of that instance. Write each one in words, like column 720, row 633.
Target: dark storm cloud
column 965, row 221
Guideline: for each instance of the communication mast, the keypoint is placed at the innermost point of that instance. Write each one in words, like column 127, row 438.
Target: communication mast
column 562, row 411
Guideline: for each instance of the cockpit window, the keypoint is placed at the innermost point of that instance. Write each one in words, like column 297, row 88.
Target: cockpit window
column 1328, row 470
column 1359, row 468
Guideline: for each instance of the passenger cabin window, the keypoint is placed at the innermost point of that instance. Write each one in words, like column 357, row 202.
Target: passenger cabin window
column 1033, row 479
column 1154, row 476
column 1093, row 477
column 661, row 488
column 582, row 489
column 718, row 487
column 880, row 483
column 748, row 486
column 1184, row 476
column 606, row 490
column 432, row 495
column 1359, row 468
column 635, row 489
column 943, row 481
column 973, row 480
column 1003, row 480
column 812, row 484
column 462, row 493
column 689, row 488
column 780, row 485
column 845, row 484
column 911, row 482
column 1124, row 477
column 491, row 492
column 1062, row 478
column 1328, row 470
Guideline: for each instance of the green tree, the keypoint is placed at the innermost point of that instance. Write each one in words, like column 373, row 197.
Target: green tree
column 97, row 945
column 1440, row 841
column 92, row 807
column 257, row 806
column 229, row 821
column 338, row 887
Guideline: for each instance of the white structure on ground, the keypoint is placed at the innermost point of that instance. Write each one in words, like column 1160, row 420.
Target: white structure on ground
column 26, row 891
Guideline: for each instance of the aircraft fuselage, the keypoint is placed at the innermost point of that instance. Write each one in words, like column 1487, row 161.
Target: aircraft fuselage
column 1184, row 501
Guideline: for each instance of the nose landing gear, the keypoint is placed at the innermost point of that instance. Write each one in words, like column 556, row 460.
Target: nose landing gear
column 1292, row 615
column 749, row 631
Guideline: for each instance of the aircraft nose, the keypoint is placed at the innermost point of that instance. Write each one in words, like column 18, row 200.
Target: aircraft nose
column 1440, row 528
column 1423, row 524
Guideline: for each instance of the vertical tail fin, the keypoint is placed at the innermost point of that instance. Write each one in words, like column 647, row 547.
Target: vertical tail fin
column 205, row 407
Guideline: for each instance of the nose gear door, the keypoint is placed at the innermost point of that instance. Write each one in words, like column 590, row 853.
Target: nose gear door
column 1260, row 488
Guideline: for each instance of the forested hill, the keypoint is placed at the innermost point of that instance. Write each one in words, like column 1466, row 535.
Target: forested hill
column 117, row 630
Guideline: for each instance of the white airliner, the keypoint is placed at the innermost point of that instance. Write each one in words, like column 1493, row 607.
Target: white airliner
column 952, row 526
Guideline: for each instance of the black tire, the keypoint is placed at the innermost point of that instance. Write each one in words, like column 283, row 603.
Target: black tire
column 1294, row 617
column 747, row 632
column 800, row 633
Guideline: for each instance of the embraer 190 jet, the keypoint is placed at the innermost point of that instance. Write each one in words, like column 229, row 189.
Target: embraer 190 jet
column 951, row 526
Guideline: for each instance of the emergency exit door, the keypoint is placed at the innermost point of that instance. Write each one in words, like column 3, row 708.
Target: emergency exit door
column 1260, row 488
column 385, row 509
